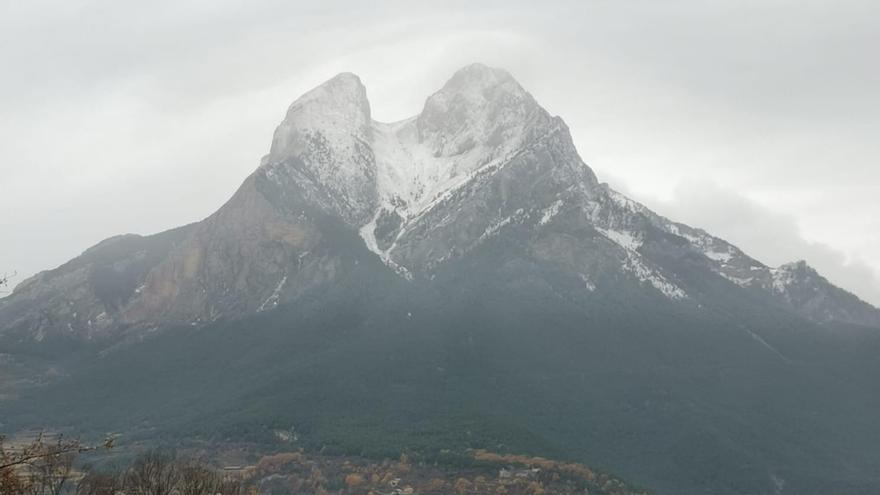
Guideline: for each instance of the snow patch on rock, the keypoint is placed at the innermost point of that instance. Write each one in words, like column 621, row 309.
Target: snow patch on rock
column 550, row 212
column 635, row 266
column 368, row 234
column 273, row 299
column 740, row 281
column 720, row 256
column 629, row 241
column 494, row 229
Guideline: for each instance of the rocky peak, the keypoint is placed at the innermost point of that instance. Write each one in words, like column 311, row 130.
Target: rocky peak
column 799, row 266
column 337, row 108
column 478, row 106
column 323, row 145
column 476, row 85
column 477, row 125
column 794, row 274
column 800, row 286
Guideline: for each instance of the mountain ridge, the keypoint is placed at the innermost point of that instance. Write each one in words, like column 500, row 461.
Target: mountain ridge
column 482, row 155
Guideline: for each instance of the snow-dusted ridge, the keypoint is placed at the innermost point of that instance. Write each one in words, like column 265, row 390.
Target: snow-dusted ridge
column 385, row 179
column 377, row 172
column 482, row 173
column 366, row 171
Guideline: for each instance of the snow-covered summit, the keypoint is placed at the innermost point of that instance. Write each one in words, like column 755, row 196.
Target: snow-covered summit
column 373, row 173
column 323, row 144
column 338, row 108
column 480, row 116
column 478, row 106
column 474, row 125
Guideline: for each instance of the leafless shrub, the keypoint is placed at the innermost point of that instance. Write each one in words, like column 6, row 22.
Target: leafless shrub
column 39, row 467
column 98, row 483
column 152, row 474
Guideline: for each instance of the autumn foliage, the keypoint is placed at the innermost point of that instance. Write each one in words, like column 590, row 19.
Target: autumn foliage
column 42, row 467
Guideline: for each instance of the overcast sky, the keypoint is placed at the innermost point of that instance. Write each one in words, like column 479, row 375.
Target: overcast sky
column 758, row 121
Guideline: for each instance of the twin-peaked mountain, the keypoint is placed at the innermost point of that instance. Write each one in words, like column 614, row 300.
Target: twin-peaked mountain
column 457, row 280
column 482, row 161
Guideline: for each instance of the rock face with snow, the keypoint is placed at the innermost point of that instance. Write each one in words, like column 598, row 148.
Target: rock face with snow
column 800, row 287
column 482, row 163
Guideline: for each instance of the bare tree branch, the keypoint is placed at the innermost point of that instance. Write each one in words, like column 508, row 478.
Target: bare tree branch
column 39, row 449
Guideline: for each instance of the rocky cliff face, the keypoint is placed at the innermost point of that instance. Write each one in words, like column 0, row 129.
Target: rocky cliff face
column 85, row 296
column 482, row 162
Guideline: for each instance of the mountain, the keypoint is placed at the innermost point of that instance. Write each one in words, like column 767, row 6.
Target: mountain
column 459, row 278
column 480, row 160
